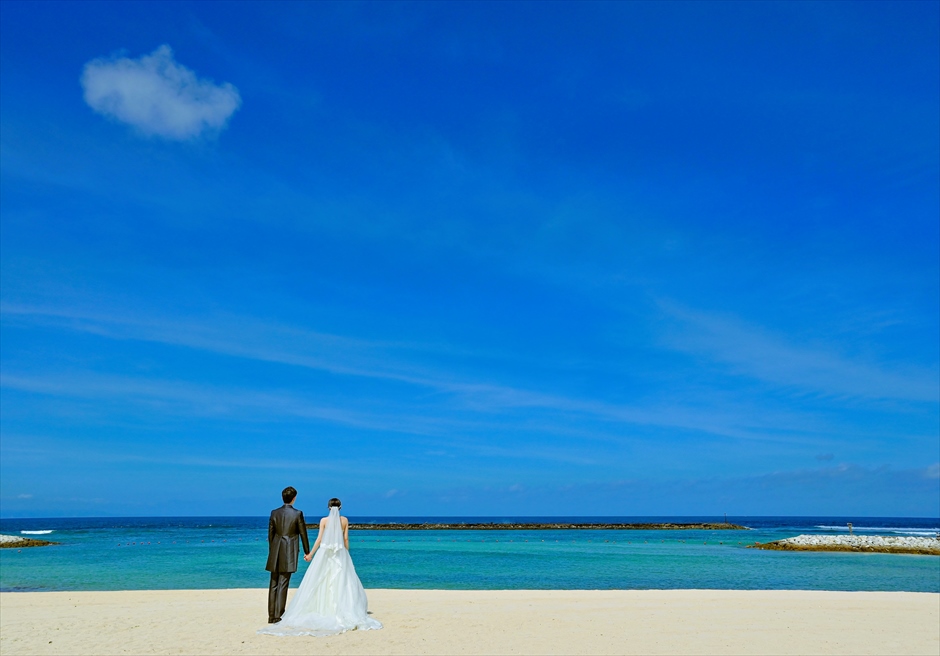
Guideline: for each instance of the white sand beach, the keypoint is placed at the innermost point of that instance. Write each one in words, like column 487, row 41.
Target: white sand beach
column 483, row 622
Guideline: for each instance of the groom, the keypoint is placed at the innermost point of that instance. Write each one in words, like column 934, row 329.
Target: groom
column 285, row 525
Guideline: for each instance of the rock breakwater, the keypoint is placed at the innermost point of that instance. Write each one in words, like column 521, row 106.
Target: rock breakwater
column 17, row 542
column 561, row 526
column 859, row 543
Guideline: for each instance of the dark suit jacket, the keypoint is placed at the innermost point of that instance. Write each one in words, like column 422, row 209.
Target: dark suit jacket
column 284, row 527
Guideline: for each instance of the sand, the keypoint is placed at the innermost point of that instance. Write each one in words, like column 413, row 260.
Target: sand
column 483, row 622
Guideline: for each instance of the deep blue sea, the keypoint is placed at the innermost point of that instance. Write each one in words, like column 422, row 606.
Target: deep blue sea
column 135, row 553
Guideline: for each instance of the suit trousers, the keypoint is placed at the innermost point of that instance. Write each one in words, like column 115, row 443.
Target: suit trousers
column 277, row 594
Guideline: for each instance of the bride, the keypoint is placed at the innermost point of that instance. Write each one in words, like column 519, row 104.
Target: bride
column 330, row 598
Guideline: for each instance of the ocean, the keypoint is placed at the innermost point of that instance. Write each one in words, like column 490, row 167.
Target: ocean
column 140, row 553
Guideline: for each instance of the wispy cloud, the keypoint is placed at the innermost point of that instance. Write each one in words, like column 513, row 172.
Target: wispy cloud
column 52, row 449
column 243, row 337
column 440, row 428
column 189, row 399
column 843, row 489
column 158, row 96
column 182, row 398
column 758, row 353
column 268, row 342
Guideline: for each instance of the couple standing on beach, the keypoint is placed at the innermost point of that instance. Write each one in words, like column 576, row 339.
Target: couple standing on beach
column 330, row 598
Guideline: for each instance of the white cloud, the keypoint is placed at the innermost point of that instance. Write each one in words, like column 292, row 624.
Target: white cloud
column 157, row 95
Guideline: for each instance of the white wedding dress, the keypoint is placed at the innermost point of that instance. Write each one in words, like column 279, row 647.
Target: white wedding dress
column 330, row 599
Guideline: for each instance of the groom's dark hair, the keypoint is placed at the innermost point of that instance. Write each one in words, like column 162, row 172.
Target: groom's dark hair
column 289, row 494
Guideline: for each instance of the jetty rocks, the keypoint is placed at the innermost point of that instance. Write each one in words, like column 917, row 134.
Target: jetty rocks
column 509, row 526
column 17, row 542
column 859, row 543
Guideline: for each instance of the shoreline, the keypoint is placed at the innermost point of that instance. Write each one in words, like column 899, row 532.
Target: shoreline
column 483, row 622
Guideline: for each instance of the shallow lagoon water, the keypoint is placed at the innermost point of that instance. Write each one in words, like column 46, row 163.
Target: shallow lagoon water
column 229, row 552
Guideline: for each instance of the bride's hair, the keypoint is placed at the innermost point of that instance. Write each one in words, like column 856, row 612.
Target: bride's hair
column 334, row 502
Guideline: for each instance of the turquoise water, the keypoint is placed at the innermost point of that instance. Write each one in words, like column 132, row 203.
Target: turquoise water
column 177, row 553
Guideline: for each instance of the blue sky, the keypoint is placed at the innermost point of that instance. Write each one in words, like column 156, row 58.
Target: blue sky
column 470, row 259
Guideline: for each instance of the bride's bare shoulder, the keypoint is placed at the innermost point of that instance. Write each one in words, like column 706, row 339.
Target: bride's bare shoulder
column 344, row 521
